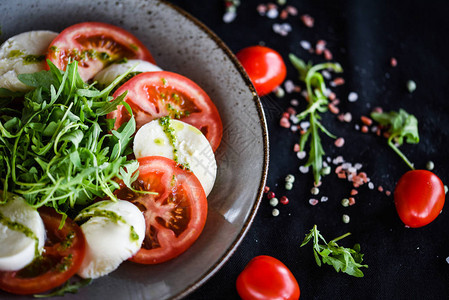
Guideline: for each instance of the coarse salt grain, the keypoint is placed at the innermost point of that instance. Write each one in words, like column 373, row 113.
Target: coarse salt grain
column 357, row 127
column 370, row 185
column 333, row 109
column 365, row 120
column 284, row 14
column 294, row 119
column 352, row 97
column 301, row 154
column 284, row 122
column 393, row 62
column 272, row 13
column 304, row 125
column 324, row 198
column 229, row 16
column 304, row 169
column 289, row 86
column 337, row 81
column 294, row 102
column 313, row 202
column 261, row 9
column 326, row 74
column 292, row 10
column 308, row 20
column 447, row 259
column 294, row 128
column 305, row 45
column 339, row 142
column 320, row 46
column 327, row 54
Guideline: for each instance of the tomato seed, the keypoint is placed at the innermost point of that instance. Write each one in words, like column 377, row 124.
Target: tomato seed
column 271, row 195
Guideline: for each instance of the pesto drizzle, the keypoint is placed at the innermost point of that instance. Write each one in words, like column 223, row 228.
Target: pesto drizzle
column 22, row 228
column 165, row 123
column 109, row 215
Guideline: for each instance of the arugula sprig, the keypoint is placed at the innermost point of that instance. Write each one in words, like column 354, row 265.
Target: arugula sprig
column 59, row 150
column 67, row 287
column 318, row 103
column 342, row 259
column 401, row 126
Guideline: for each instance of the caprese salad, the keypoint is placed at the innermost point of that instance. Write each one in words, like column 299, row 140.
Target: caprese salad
column 104, row 157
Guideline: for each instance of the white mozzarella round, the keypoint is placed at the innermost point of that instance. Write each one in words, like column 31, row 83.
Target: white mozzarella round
column 13, row 52
column 106, row 76
column 192, row 148
column 111, row 239
column 16, row 248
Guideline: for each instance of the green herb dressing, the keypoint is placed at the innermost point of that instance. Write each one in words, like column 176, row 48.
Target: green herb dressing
column 33, row 59
column 16, row 226
column 89, row 213
column 169, row 131
column 15, row 53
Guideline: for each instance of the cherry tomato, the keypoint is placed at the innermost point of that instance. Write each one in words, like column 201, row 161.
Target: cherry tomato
column 266, row 278
column 95, row 45
column 153, row 95
column 175, row 216
column 61, row 259
column 265, row 67
column 419, row 197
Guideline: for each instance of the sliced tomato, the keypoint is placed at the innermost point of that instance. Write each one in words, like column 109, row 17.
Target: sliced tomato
column 95, row 45
column 61, row 259
column 152, row 95
column 175, row 216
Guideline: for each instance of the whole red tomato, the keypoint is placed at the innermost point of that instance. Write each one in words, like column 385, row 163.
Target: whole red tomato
column 419, row 197
column 265, row 67
column 267, row 278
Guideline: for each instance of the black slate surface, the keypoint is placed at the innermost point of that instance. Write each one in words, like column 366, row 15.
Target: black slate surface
column 363, row 36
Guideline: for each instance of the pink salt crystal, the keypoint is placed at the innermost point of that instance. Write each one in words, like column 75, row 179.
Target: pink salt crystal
column 284, row 122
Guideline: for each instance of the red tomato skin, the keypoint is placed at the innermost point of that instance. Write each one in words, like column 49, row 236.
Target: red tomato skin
column 158, row 173
column 265, row 67
column 68, row 40
column 419, row 197
column 54, row 277
column 147, row 106
column 267, row 278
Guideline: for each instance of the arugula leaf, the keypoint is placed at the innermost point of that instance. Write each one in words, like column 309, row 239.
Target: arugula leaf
column 318, row 103
column 59, row 151
column 401, row 125
column 342, row 259
column 67, row 287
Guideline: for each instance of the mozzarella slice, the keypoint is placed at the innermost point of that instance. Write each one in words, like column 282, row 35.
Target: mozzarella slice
column 14, row 54
column 114, row 232
column 106, row 76
column 192, row 148
column 18, row 248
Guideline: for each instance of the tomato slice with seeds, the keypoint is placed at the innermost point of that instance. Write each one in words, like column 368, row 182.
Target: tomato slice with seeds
column 152, row 95
column 95, row 45
column 64, row 251
column 175, row 216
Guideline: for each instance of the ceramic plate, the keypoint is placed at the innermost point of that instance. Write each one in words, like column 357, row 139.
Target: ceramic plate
column 181, row 44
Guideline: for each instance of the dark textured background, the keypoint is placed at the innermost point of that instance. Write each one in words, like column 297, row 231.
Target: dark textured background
column 363, row 36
